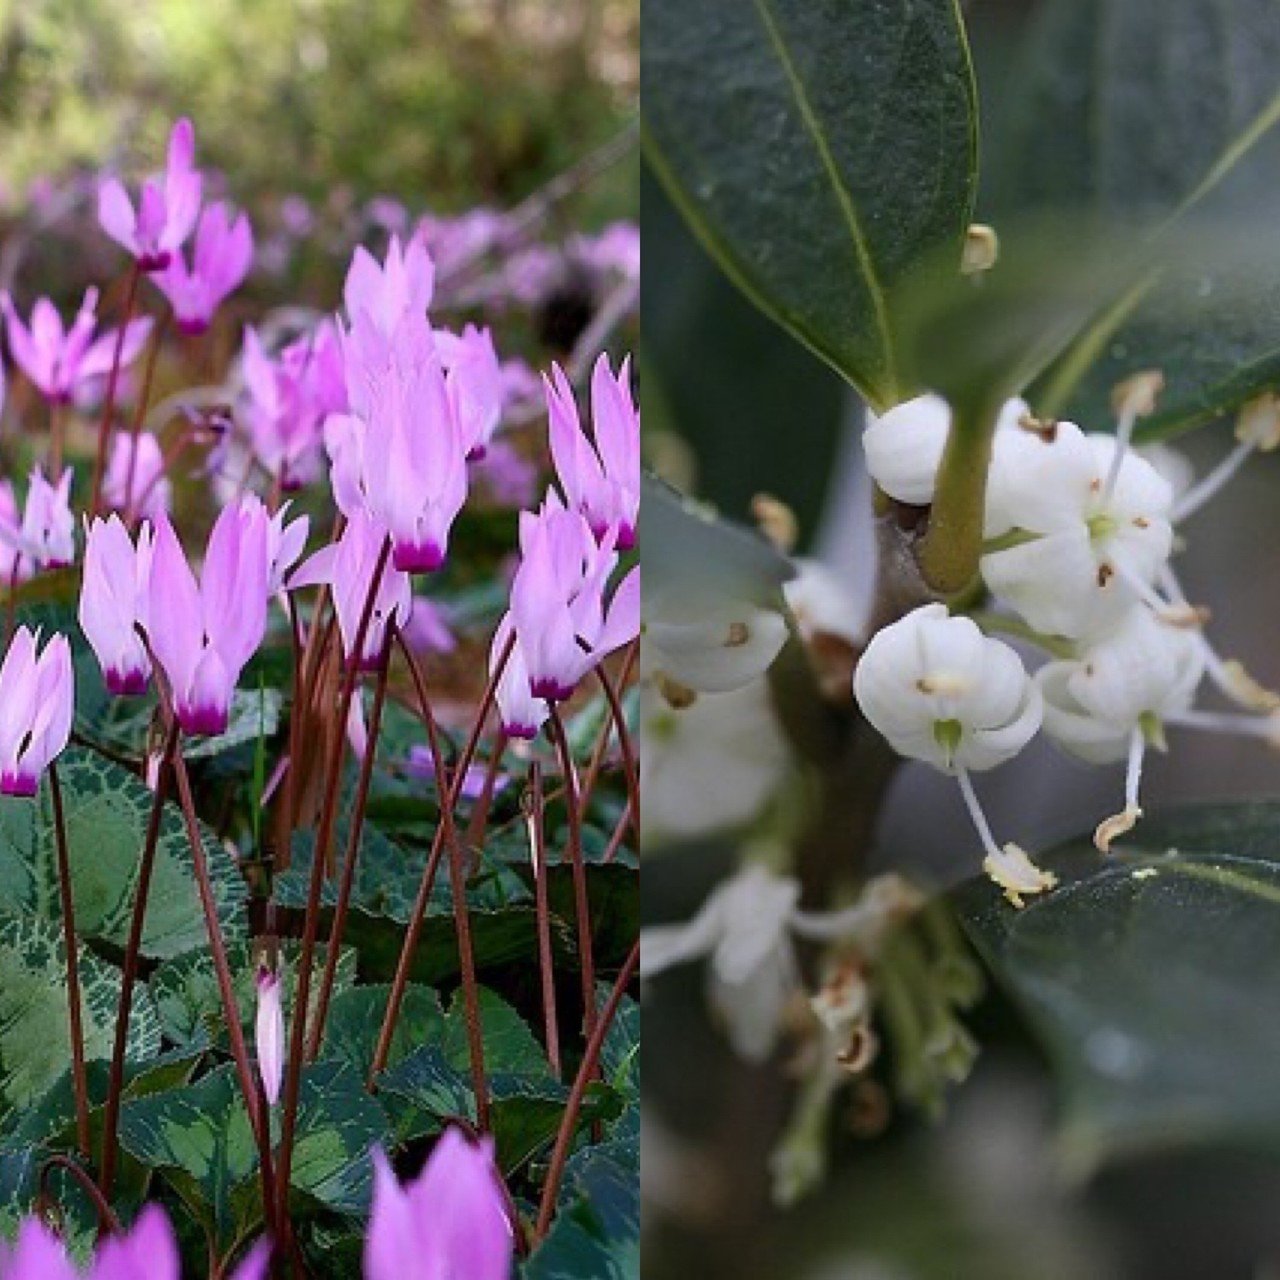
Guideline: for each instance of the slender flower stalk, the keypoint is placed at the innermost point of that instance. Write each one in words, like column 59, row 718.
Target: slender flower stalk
column 129, row 975
column 333, row 948
column 458, row 890
column 107, row 423
column 534, row 804
column 311, row 928
column 577, row 865
column 586, row 1072
column 75, row 1011
column 399, row 983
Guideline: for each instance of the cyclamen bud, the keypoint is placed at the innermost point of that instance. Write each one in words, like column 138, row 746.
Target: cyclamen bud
column 47, row 536
column 37, row 705
column 523, row 715
column 112, row 599
column 269, row 1034
column 473, row 376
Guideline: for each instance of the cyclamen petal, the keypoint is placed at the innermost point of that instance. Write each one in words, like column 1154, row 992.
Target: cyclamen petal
column 111, row 601
column 221, row 259
column 451, row 1221
column 148, row 489
column 37, row 692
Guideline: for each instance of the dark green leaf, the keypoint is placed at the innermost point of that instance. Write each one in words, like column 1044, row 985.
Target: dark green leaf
column 107, row 809
column 1152, row 977
column 818, row 148
column 35, row 1042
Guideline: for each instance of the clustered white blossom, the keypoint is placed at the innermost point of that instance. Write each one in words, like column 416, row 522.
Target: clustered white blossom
column 1080, row 531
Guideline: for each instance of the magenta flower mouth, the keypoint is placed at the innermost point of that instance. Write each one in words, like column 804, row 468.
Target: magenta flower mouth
column 126, row 684
column 192, row 328
column 19, row 784
column 626, row 536
column 478, row 454
column 424, row 557
column 525, row 732
column 154, row 260
column 203, row 722
column 551, row 689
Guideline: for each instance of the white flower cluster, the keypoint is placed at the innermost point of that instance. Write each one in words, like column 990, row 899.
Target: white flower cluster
column 1080, row 531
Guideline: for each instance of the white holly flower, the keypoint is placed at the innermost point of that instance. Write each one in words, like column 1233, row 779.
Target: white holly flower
column 710, row 766
column 1114, row 701
column 942, row 692
column 1086, row 529
column 746, row 930
column 904, row 446
column 723, row 646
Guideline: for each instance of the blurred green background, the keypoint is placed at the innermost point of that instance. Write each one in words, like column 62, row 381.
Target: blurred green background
column 451, row 101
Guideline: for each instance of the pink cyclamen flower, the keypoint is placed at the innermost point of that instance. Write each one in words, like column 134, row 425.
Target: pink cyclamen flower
column 384, row 292
column 558, row 600
column 477, row 390
column 147, row 1251
column 61, row 361
column 167, row 207
column 36, row 1254
column 269, row 1034
column 410, row 443
column 148, row 489
column 348, row 566
column 600, row 478
column 289, row 398
column 45, row 539
column 204, row 634
column 37, row 694
column 451, row 1221
column 221, row 259
column 428, row 629
column 114, row 592
column 522, row 714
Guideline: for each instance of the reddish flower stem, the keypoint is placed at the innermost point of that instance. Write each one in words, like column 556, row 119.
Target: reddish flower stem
column 395, row 998
column 581, row 897
column 133, row 949
column 534, row 805
column 75, row 1012
column 448, row 790
column 586, row 1070
column 311, row 925
column 140, row 410
column 612, row 695
column 113, row 382
column 108, row 1223
column 226, row 988
column 596, row 763
column 334, row 945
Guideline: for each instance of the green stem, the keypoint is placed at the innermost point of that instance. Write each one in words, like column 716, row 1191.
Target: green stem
column 951, row 549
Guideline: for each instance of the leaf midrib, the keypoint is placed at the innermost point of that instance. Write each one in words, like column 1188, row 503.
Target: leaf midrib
column 844, row 198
